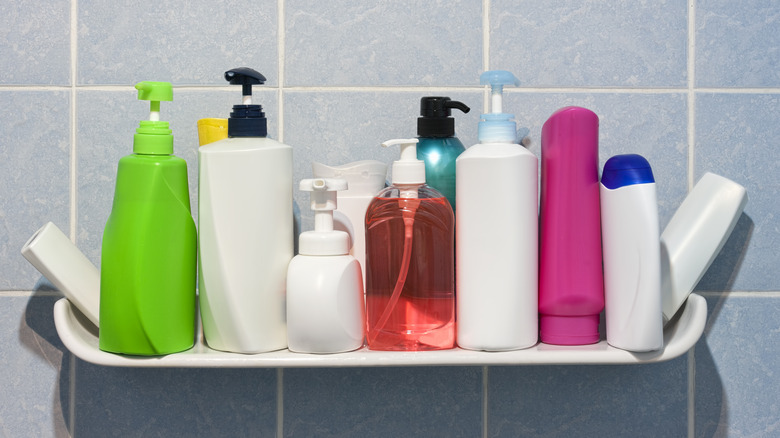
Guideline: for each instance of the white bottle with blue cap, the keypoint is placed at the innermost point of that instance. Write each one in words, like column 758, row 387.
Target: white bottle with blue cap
column 631, row 249
column 496, row 233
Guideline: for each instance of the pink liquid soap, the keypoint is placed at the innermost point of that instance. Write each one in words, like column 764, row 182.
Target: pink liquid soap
column 410, row 251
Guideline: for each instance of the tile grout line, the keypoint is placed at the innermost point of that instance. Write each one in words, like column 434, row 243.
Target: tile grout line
column 485, row 378
column 485, row 34
column 414, row 88
column 485, row 98
column 691, row 93
column 691, row 390
column 73, row 151
column 72, row 395
column 280, row 48
column 73, row 190
column 279, row 402
column 280, row 134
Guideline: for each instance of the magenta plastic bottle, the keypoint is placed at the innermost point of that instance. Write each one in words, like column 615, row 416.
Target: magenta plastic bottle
column 571, row 281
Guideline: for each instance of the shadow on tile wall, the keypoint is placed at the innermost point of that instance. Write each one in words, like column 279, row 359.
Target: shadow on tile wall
column 711, row 407
column 38, row 335
column 724, row 269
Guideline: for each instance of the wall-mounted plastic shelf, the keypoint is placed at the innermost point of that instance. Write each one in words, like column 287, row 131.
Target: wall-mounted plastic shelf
column 80, row 337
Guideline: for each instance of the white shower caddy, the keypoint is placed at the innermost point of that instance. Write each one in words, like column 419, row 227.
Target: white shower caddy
column 80, row 336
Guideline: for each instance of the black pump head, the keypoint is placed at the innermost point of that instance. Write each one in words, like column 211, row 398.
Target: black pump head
column 435, row 120
column 246, row 120
column 246, row 77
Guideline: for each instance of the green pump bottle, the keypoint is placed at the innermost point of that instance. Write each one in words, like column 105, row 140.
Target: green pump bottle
column 148, row 265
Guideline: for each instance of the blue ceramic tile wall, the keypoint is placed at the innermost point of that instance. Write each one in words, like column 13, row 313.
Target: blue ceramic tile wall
column 692, row 85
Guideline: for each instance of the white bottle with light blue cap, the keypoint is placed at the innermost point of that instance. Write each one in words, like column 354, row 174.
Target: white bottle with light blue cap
column 496, row 233
column 631, row 249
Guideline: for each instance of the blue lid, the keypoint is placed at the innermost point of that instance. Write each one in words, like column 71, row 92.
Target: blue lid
column 625, row 170
column 497, row 126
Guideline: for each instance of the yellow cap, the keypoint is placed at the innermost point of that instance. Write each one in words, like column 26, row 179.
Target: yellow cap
column 211, row 130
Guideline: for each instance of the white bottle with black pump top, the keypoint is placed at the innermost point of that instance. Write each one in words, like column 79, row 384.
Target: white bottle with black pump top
column 496, row 233
column 325, row 305
column 245, row 238
column 631, row 250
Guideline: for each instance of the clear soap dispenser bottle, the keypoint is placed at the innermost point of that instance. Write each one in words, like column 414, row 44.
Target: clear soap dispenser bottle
column 245, row 216
column 325, row 306
column 410, row 280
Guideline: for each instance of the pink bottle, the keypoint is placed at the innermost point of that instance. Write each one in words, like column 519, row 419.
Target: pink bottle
column 571, row 281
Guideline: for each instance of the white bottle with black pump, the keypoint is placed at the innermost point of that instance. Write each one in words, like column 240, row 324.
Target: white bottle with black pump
column 325, row 305
column 496, row 233
column 245, row 232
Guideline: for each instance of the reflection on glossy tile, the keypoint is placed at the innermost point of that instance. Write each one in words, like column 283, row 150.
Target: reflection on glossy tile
column 36, row 42
column 736, row 43
column 34, row 369
column 141, row 402
column 180, row 41
column 591, row 43
column 736, row 137
column 34, row 176
column 737, row 363
column 409, row 42
column 379, row 402
column 589, row 401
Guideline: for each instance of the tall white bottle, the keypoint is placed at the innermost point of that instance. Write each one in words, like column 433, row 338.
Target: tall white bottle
column 245, row 239
column 496, row 234
column 364, row 180
column 631, row 249
column 325, row 306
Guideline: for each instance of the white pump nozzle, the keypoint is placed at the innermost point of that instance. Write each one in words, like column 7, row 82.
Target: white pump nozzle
column 408, row 169
column 323, row 240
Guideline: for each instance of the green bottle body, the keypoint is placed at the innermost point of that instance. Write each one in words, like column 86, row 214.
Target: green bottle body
column 149, row 260
column 439, row 155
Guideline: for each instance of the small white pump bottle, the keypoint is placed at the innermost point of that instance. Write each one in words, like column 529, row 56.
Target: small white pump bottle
column 496, row 233
column 632, row 254
column 325, row 305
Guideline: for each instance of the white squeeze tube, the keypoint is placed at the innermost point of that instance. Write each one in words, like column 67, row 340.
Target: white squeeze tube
column 695, row 235
column 59, row 260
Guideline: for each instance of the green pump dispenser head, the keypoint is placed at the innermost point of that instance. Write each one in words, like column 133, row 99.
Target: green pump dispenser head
column 153, row 137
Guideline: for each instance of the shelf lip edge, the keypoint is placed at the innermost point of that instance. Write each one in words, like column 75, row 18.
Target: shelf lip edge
column 684, row 334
